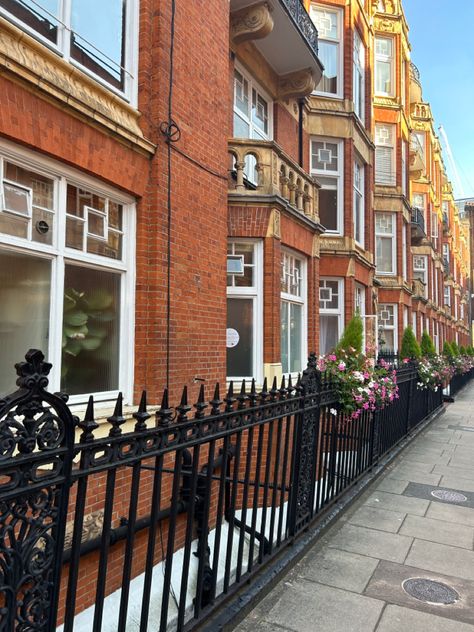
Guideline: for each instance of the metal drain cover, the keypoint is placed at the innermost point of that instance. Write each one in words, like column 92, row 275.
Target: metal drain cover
column 448, row 496
column 430, row 591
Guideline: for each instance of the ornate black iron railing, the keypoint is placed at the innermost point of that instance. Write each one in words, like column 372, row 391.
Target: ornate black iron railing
column 148, row 523
column 303, row 22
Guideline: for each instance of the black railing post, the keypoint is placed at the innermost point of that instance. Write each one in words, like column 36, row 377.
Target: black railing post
column 307, row 422
column 37, row 430
column 411, row 393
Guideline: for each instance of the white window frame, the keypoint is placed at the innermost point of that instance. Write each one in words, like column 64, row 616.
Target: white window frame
column 62, row 47
column 393, row 237
column 256, row 293
column 385, row 140
column 393, row 327
column 404, row 251
column 413, row 321
column 416, row 199
column 60, row 255
column 359, row 304
column 337, row 175
column 255, row 132
column 338, row 41
column 339, row 311
column 358, row 76
column 378, row 57
column 420, row 264
column 434, row 228
column 302, row 300
column 447, row 295
column 359, row 194
column 404, row 169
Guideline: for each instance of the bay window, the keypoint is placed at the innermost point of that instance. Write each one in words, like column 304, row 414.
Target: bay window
column 384, row 66
column 358, row 79
column 385, row 154
column 244, row 309
column 99, row 37
column 359, row 202
column 293, row 313
column 331, row 320
column 65, row 276
column 327, row 166
column 387, row 325
column 385, row 243
column 329, row 23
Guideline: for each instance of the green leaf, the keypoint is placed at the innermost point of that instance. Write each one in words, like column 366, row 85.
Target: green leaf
column 71, row 332
column 96, row 331
column 103, row 317
column 69, row 303
column 99, row 300
column 76, row 318
column 73, row 347
column 90, row 343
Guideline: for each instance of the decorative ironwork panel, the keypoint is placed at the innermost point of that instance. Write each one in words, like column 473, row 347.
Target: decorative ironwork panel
column 307, row 433
column 36, row 447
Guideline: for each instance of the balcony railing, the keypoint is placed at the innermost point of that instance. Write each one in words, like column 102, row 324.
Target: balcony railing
column 276, row 175
column 302, row 21
column 415, row 73
column 418, row 223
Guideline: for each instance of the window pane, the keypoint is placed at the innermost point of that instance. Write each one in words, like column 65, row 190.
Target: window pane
column 98, row 37
column 90, row 356
column 241, row 127
column 384, row 254
column 383, row 76
column 329, row 56
column 328, row 205
column 35, row 16
column 296, row 328
column 328, row 333
column 24, row 317
column 240, row 318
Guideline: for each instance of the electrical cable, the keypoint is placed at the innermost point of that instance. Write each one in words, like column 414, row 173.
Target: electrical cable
column 170, row 133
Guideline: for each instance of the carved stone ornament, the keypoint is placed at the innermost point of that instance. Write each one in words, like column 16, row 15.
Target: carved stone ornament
column 274, row 224
column 250, row 23
column 315, row 249
column 27, row 59
column 388, row 26
column 296, row 84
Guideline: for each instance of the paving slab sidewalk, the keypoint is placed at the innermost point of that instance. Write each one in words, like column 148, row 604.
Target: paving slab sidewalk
column 353, row 578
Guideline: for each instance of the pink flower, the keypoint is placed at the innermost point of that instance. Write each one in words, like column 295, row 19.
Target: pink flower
column 341, row 366
column 332, row 357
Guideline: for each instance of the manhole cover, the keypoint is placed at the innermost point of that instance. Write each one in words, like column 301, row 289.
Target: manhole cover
column 449, row 497
column 430, row 591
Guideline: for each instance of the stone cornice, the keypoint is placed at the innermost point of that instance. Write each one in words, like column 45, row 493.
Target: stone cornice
column 46, row 73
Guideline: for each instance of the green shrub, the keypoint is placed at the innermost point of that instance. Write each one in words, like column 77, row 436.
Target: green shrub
column 447, row 350
column 455, row 348
column 410, row 347
column 352, row 336
column 463, row 350
column 427, row 347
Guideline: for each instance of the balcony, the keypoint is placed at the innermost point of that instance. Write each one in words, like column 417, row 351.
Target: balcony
column 418, row 231
column 285, row 35
column 275, row 176
column 417, row 162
